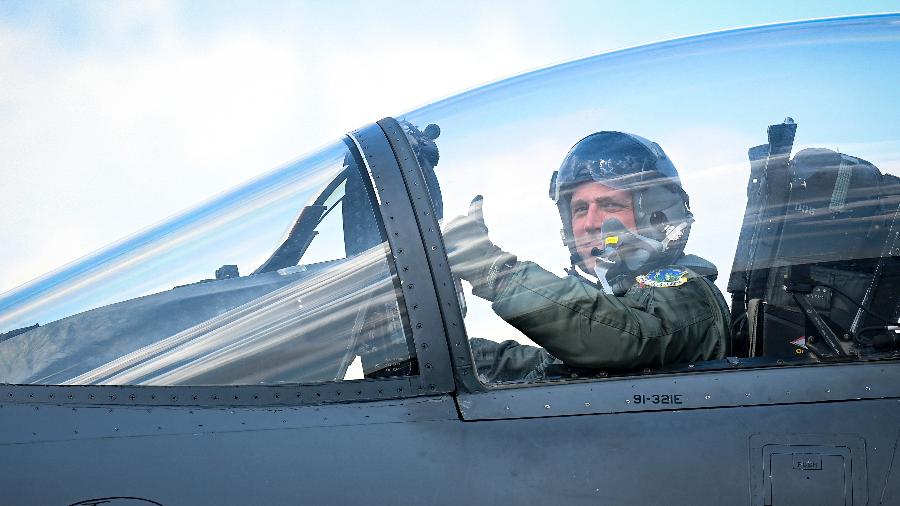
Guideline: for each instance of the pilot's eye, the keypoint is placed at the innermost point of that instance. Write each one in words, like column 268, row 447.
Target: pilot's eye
column 614, row 207
column 579, row 209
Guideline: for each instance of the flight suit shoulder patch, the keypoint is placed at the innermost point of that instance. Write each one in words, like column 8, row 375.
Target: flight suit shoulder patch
column 666, row 277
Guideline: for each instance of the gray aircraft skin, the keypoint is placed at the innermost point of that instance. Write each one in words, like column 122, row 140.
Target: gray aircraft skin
column 751, row 429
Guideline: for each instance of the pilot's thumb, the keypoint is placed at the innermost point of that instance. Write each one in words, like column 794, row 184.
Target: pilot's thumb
column 475, row 211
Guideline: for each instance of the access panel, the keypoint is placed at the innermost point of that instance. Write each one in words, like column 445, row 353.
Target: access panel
column 808, row 469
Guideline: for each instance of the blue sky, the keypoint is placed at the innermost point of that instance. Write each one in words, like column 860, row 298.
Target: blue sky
column 115, row 115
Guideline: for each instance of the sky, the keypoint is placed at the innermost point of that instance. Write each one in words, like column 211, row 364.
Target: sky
column 116, row 115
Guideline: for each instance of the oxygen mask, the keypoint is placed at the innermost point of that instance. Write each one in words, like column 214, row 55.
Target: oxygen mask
column 624, row 255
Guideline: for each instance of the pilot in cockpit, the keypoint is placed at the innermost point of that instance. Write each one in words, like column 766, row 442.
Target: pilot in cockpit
column 632, row 299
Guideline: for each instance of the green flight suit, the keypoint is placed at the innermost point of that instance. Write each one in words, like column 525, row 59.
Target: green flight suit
column 576, row 322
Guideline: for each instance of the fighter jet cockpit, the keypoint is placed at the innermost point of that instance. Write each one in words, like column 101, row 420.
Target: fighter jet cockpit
column 812, row 275
column 709, row 208
column 704, row 204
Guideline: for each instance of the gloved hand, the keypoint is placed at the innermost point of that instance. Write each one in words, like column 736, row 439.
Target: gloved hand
column 472, row 255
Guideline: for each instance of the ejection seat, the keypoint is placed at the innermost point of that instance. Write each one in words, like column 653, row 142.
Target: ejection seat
column 816, row 266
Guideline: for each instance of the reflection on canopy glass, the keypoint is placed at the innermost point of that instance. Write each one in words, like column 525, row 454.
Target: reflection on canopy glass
column 315, row 303
column 724, row 195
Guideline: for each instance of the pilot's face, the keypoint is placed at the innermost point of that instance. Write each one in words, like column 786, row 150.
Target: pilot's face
column 592, row 204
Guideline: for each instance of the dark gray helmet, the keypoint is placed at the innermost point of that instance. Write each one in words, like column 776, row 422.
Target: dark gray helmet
column 628, row 162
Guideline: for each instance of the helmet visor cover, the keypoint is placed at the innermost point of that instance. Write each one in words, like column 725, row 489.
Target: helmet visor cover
column 616, row 159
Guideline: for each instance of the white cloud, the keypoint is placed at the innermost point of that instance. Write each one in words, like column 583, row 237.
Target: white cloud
column 108, row 145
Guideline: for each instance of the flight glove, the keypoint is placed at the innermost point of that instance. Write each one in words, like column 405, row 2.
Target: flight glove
column 472, row 255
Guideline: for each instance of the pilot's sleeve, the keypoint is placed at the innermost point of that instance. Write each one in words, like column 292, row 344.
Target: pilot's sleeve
column 585, row 327
column 509, row 360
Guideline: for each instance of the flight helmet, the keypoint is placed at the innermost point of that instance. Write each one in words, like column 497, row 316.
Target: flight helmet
column 628, row 162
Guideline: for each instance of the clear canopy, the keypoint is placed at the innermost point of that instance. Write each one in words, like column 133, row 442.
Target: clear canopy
column 785, row 142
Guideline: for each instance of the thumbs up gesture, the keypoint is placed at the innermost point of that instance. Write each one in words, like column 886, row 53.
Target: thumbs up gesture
column 471, row 253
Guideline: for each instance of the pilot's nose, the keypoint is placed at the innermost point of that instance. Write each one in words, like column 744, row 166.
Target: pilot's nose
column 595, row 218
